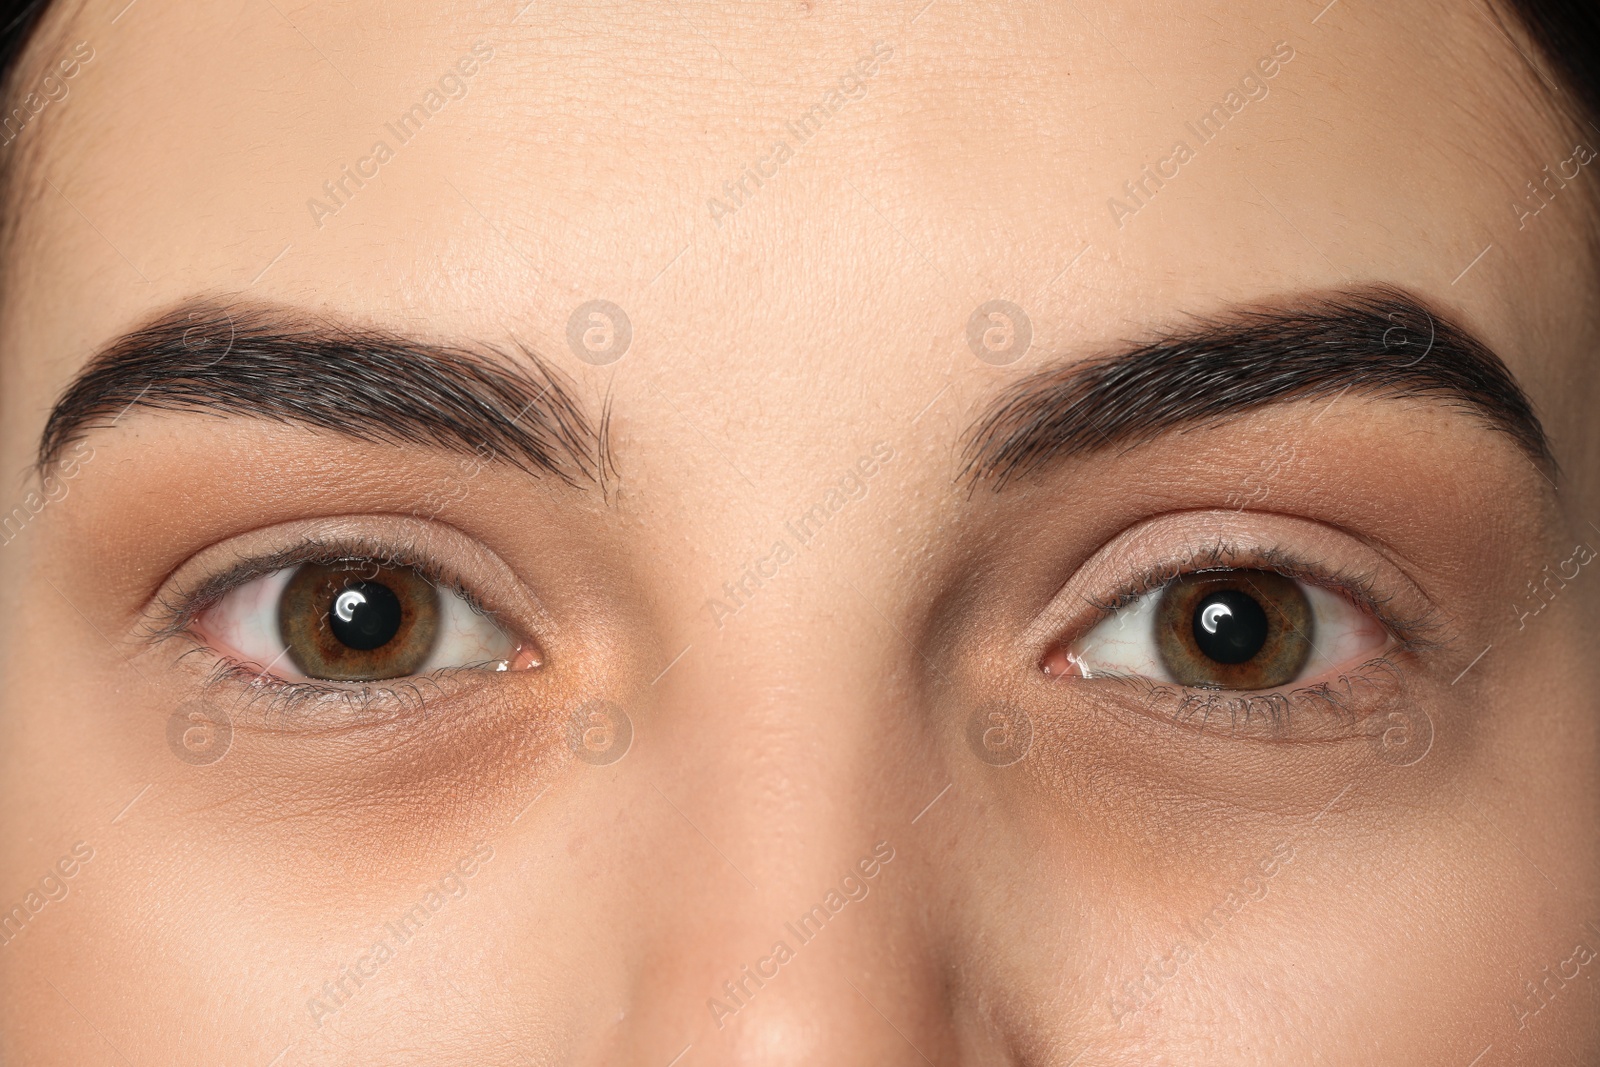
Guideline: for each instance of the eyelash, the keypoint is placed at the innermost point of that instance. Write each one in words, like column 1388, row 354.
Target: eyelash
column 1360, row 589
column 1180, row 704
column 406, row 698
column 397, row 700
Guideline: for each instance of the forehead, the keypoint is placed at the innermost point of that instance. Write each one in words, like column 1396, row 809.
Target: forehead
column 767, row 190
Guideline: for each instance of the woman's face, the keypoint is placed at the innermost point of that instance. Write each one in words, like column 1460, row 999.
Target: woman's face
column 996, row 536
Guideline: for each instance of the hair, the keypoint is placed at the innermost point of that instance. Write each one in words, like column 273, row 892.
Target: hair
column 1568, row 34
column 17, row 21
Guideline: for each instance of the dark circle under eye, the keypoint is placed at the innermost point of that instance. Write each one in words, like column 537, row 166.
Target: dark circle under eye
column 1234, row 629
column 357, row 621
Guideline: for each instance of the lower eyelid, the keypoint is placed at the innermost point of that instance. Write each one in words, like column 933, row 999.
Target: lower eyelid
column 265, row 692
column 1344, row 635
column 1337, row 709
column 310, row 706
column 246, row 617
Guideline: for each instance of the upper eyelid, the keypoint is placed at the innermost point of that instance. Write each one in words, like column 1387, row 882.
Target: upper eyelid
column 1146, row 554
column 450, row 557
column 196, row 600
column 1359, row 589
column 362, row 705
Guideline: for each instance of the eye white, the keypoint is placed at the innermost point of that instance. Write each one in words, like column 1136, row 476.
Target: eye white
column 1125, row 643
column 244, row 626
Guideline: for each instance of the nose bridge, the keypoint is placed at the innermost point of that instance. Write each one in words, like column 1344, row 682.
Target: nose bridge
column 799, row 942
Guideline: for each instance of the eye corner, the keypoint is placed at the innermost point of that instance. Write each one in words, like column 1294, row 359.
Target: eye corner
column 1362, row 621
column 229, row 604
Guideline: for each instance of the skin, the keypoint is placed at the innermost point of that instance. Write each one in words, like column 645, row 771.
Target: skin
column 1407, row 906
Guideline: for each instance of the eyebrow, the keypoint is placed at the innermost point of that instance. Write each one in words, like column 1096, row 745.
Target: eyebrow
column 1379, row 342
column 287, row 365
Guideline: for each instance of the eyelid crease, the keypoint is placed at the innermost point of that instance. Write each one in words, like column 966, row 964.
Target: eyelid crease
column 452, row 559
column 323, row 708
column 1120, row 569
column 191, row 603
column 1359, row 588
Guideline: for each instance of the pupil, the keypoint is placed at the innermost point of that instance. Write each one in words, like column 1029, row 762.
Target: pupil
column 365, row 615
column 1229, row 626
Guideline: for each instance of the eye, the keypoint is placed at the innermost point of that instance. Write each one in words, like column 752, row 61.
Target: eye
column 354, row 620
column 1234, row 629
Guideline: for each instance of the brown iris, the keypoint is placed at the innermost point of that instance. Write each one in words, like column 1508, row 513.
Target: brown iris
column 1240, row 629
column 357, row 621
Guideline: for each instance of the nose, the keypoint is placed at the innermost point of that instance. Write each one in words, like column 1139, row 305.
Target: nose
column 781, row 900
